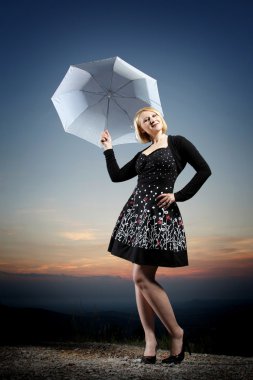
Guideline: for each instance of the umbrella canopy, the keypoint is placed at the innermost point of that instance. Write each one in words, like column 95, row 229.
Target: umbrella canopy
column 104, row 94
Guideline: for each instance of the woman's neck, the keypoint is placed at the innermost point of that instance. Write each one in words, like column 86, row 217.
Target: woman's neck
column 158, row 138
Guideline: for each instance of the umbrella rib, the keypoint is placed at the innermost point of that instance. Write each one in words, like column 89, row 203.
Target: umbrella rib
column 122, row 109
column 93, row 105
column 134, row 97
column 124, row 96
column 100, row 85
column 130, row 97
column 124, row 85
column 93, row 92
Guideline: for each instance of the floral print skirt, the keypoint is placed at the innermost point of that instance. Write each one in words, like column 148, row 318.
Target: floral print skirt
column 146, row 234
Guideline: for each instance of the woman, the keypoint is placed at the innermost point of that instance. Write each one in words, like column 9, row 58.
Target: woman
column 150, row 231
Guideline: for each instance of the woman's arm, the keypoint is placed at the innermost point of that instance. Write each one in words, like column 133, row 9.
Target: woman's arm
column 117, row 175
column 191, row 155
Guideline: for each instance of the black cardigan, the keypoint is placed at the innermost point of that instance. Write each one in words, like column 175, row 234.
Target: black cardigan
column 183, row 151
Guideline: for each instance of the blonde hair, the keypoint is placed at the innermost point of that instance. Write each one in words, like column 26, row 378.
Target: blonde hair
column 141, row 135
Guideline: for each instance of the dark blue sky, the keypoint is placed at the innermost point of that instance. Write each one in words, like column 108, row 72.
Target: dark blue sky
column 201, row 54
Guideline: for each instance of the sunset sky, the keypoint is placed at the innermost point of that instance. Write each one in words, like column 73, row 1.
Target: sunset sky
column 58, row 205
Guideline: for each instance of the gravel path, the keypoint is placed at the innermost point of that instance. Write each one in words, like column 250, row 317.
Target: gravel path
column 105, row 361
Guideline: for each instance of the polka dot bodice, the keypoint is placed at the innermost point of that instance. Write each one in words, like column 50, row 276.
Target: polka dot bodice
column 158, row 167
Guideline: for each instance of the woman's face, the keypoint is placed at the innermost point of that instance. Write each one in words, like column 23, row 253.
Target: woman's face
column 150, row 122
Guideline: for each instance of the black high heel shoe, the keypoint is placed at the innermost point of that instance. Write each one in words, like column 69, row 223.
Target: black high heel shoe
column 148, row 359
column 177, row 359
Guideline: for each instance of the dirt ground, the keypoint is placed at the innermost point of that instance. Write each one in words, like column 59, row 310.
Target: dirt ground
column 105, row 361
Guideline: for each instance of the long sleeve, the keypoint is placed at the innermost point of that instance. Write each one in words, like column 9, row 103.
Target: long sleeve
column 190, row 154
column 117, row 174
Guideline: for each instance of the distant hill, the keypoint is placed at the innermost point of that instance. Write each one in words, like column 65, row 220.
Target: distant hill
column 30, row 325
column 213, row 327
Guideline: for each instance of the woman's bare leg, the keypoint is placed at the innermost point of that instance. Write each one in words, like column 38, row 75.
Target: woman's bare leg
column 156, row 297
column 147, row 317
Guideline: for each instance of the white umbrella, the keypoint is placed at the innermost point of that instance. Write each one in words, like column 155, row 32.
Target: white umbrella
column 104, row 94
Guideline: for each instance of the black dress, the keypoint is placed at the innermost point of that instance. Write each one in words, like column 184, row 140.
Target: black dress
column 145, row 233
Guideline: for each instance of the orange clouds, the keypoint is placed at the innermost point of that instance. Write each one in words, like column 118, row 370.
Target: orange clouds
column 219, row 255
column 82, row 235
column 83, row 255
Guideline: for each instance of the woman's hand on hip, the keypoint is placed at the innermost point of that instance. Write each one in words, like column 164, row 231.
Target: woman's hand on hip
column 165, row 200
column 106, row 140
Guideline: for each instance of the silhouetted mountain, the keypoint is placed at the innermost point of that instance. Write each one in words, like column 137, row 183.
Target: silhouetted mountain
column 219, row 326
column 212, row 326
column 28, row 325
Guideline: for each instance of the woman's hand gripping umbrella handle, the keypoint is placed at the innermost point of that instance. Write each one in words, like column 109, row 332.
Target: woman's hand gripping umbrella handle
column 106, row 139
